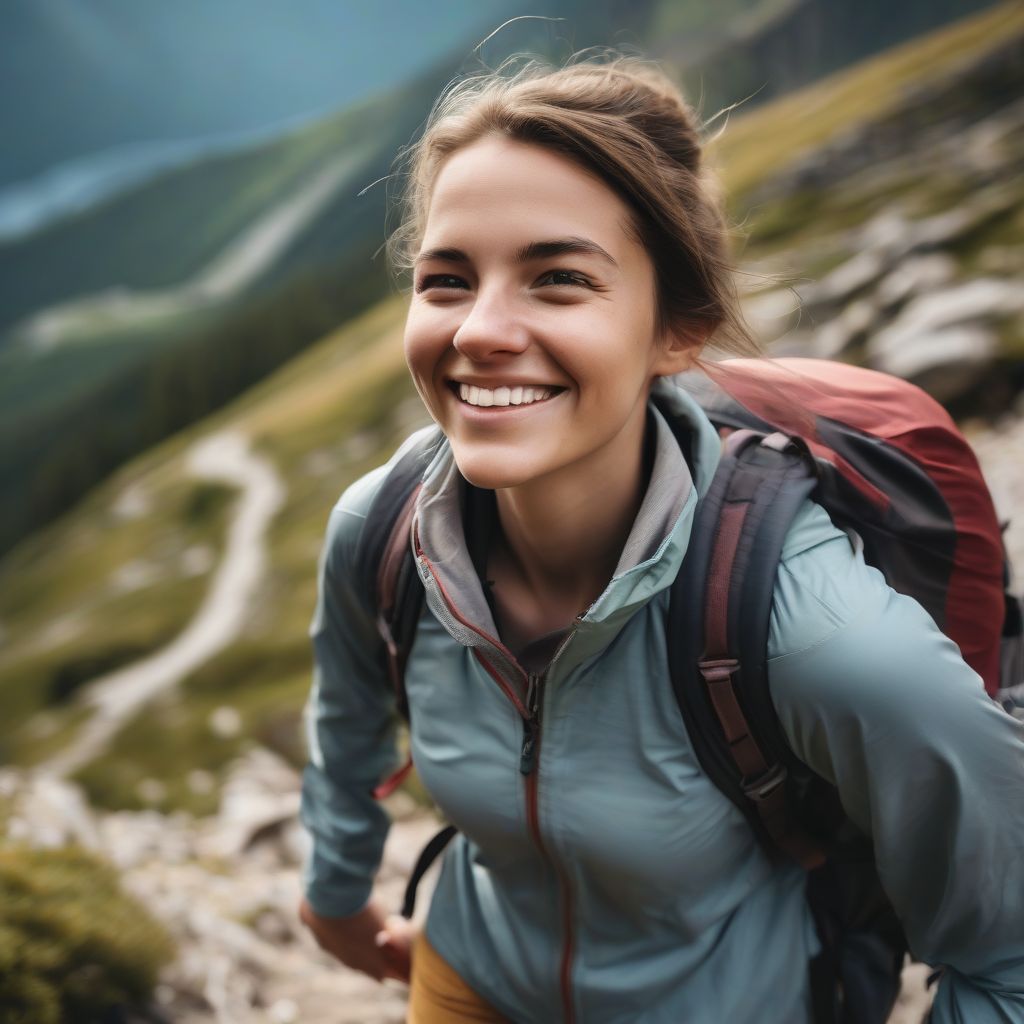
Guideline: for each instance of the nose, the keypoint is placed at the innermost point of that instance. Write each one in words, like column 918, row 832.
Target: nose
column 491, row 328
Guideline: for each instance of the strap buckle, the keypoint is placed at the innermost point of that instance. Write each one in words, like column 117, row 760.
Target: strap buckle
column 763, row 786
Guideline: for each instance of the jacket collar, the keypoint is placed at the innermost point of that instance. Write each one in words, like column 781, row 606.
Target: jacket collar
column 653, row 551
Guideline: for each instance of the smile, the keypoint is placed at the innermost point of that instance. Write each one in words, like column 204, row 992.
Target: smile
column 503, row 396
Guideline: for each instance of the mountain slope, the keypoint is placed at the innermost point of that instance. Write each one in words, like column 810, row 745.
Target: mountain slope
column 89, row 74
column 106, row 583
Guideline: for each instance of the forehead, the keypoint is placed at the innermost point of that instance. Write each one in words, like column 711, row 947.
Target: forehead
column 506, row 188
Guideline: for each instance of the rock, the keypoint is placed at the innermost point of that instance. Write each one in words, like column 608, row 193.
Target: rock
column 201, row 781
column 259, row 799
column 284, row 1011
column 47, row 811
column 132, row 839
column 886, row 232
column 151, row 791
column 225, row 722
column 856, row 274
column 133, row 502
column 947, row 362
column 852, row 325
column 913, row 276
column 942, row 335
column 771, row 314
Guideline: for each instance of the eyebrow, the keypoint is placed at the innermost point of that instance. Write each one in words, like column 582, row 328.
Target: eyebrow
column 573, row 246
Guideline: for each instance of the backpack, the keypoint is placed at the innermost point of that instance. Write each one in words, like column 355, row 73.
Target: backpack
column 890, row 467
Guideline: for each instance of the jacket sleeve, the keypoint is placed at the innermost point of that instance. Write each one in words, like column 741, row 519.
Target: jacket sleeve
column 876, row 699
column 350, row 727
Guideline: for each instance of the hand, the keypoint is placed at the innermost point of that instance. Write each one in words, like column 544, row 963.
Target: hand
column 366, row 941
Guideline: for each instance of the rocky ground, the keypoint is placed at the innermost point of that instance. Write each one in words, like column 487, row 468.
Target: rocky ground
column 228, row 887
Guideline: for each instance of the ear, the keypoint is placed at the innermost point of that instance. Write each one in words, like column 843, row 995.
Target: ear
column 678, row 350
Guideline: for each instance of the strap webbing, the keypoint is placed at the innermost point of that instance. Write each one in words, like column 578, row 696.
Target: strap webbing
column 760, row 485
column 427, row 856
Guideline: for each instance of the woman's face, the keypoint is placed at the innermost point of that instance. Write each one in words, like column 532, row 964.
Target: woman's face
column 531, row 333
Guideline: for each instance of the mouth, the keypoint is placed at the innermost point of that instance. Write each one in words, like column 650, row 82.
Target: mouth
column 503, row 397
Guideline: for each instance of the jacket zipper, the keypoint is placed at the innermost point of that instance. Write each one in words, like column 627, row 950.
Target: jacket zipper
column 529, row 756
column 531, row 726
column 528, row 765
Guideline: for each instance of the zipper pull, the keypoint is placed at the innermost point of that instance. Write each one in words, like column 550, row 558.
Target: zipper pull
column 531, row 726
column 528, row 755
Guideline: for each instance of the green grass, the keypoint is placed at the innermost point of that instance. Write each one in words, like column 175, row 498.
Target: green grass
column 265, row 682
column 758, row 145
column 65, row 618
column 352, row 382
column 1006, row 230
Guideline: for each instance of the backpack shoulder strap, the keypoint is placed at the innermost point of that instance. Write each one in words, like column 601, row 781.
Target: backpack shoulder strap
column 729, row 576
column 384, row 563
column 387, row 570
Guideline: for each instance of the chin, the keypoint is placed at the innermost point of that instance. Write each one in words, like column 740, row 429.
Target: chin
column 492, row 472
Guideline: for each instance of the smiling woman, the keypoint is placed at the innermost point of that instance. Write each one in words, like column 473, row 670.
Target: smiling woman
column 569, row 257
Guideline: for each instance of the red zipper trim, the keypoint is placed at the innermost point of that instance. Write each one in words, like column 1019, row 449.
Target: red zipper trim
column 499, row 679
column 493, row 640
column 532, row 812
column 568, row 940
column 568, row 947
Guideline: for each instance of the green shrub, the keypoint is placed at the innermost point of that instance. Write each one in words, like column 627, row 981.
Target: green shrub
column 72, row 944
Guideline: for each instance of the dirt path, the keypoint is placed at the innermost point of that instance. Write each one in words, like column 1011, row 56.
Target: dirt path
column 117, row 696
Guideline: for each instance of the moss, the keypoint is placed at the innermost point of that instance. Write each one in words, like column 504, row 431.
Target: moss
column 73, row 946
column 45, row 735
column 1004, row 229
column 208, row 503
column 1010, row 334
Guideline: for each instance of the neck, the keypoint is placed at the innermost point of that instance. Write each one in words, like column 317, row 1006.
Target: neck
column 563, row 534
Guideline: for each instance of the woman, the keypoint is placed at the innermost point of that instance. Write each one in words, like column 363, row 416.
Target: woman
column 568, row 256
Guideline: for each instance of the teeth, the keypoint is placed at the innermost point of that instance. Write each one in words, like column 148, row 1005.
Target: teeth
column 503, row 396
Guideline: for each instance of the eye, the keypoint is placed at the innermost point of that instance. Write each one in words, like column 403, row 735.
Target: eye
column 564, row 277
column 439, row 281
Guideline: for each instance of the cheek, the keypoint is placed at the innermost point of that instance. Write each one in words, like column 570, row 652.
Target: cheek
column 428, row 331
column 420, row 349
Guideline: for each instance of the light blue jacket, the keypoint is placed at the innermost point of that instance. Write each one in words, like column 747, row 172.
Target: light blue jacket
column 615, row 883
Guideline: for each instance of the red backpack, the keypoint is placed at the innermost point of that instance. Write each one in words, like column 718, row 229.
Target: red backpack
column 890, row 467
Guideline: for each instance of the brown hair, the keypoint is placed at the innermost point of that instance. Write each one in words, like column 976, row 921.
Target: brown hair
column 627, row 122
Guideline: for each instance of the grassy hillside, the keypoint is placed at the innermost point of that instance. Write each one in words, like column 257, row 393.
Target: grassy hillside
column 759, row 145
column 125, row 322
column 70, row 604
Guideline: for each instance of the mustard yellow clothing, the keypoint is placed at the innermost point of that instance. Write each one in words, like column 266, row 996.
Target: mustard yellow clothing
column 439, row 996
